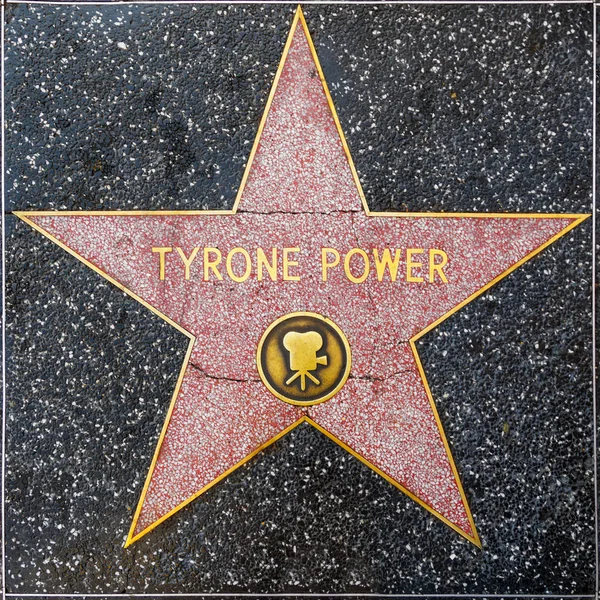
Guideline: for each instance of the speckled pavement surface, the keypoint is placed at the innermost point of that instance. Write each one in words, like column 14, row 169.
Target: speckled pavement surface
column 445, row 108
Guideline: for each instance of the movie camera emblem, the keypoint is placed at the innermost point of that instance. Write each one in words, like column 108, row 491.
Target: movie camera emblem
column 303, row 358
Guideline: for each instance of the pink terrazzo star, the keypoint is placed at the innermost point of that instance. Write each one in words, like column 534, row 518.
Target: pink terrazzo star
column 301, row 191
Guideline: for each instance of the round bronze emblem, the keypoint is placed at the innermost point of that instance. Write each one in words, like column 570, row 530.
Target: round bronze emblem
column 303, row 358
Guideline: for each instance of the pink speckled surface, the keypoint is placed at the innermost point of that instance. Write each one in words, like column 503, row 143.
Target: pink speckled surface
column 300, row 193
column 206, row 438
column 301, row 165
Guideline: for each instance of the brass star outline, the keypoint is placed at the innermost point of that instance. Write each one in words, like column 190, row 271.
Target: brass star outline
column 300, row 19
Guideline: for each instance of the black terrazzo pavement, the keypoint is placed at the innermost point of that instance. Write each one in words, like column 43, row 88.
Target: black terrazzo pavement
column 490, row 104
column 313, row 597
column 446, row 108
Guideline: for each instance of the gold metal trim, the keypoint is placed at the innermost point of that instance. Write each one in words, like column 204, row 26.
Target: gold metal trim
column 578, row 219
column 131, row 538
column 329, row 322
column 263, row 121
column 474, row 539
column 213, row 213
column 299, row 18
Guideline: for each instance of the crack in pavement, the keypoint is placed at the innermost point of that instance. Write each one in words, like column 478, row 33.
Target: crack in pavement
column 299, row 212
column 220, row 377
column 375, row 378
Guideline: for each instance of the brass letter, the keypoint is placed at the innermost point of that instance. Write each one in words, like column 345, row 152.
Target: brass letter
column 410, row 264
column 187, row 261
column 229, row 260
column 386, row 262
column 325, row 264
column 347, row 259
column 262, row 261
column 212, row 264
column 287, row 263
column 161, row 260
column 433, row 267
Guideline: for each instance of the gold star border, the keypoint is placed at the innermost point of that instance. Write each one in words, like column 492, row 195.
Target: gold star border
column 300, row 19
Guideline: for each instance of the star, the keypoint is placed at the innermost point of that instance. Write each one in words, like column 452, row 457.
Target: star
column 383, row 279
